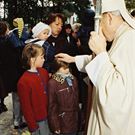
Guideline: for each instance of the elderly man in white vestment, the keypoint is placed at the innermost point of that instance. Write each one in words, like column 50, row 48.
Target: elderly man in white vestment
column 112, row 72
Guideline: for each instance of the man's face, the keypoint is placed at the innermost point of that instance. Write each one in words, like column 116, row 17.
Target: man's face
column 56, row 26
column 107, row 27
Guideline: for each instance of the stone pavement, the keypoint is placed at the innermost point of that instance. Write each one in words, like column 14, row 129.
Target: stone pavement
column 6, row 120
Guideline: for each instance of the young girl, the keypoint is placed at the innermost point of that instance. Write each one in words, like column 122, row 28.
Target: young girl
column 32, row 90
column 63, row 100
column 41, row 32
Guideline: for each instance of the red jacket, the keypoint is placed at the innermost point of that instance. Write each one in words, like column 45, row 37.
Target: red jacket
column 33, row 97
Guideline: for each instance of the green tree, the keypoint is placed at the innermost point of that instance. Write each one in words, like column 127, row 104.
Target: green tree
column 130, row 4
column 35, row 10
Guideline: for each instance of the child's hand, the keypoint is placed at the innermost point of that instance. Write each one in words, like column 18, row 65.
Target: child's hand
column 57, row 131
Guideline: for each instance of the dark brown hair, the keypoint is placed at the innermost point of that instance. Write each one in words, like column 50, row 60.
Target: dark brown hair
column 31, row 51
column 3, row 28
column 67, row 26
column 57, row 64
column 52, row 17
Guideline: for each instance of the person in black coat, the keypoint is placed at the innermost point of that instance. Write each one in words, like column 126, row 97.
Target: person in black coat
column 8, row 65
column 18, row 36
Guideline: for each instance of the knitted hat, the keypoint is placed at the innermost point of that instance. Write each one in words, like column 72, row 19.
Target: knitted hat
column 39, row 28
column 18, row 22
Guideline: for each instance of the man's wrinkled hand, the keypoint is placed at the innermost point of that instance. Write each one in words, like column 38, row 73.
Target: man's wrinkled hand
column 65, row 57
column 97, row 42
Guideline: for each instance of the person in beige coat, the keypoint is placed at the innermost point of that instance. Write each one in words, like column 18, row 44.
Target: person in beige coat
column 112, row 73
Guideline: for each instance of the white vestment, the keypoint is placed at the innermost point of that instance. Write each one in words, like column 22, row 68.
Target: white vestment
column 113, row 76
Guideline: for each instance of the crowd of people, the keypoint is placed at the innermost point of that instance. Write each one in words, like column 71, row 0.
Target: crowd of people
column 45, row 91
column 43, row 69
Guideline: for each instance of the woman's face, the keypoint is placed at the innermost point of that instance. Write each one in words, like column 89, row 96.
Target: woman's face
column 56, row 26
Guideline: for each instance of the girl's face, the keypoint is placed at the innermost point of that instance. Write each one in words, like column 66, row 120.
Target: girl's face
column 38, row 61
column 43, row 35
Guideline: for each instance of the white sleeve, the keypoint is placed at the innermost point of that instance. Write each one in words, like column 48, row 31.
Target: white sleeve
column 81, row 61
column 94, row 67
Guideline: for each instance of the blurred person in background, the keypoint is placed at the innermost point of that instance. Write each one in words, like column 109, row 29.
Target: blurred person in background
column 8, row 65
column 18, row 36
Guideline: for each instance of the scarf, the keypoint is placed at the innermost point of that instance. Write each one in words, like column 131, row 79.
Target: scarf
column 60, row 77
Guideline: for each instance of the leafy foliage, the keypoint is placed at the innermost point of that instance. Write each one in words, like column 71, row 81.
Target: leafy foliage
column 130, row 4
column 35, row 10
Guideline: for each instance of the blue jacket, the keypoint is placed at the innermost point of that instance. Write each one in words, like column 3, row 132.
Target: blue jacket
column 14, row 37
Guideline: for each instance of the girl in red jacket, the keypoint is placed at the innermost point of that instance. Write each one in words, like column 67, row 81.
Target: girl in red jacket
column 32, row 90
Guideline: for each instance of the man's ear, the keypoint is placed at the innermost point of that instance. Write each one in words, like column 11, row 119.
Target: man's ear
column 110, row 16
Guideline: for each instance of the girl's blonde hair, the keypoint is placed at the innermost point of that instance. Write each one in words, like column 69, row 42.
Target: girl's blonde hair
column 31, row 51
